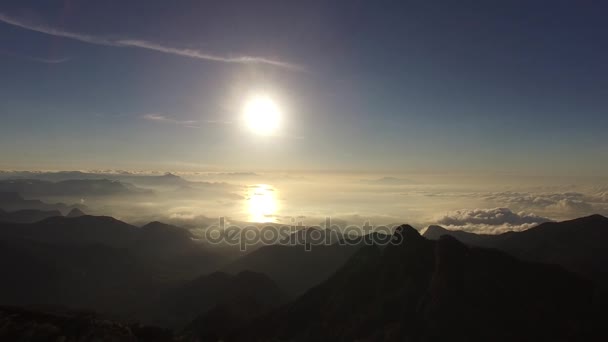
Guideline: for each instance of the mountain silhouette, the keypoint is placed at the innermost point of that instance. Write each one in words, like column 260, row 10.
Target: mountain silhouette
column 12, row 201
column 422, row 290
column 414, row 288
column 294, row 268
column 434, row 232
column 579, row 244
column 97, row 263
column 217, row 290
column 27, row 215
column 72, row 187
column 75, row 213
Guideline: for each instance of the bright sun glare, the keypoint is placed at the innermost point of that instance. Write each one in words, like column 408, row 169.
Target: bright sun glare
column 262, row 115
column 262, row 203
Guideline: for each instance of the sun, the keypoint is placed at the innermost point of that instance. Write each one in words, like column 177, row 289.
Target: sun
column 262, row 115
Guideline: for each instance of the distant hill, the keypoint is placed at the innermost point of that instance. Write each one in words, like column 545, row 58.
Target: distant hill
column 167, row 178
column 27, row 215
column 97, row 263
column 424, row 290
column 195, row 298
column 12, row 201
column 293, row 267
column 75, row 213
column 304, row 258
column 145, row 180
column 164, row 246
column 78, row 230
column 579, row 244
column 434, row 232
column 72, row 187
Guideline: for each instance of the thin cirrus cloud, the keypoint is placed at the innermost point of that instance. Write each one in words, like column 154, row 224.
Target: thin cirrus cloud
column 186, row 123
column 142, row 44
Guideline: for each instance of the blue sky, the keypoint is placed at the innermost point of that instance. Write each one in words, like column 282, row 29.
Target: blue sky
column 506, row 86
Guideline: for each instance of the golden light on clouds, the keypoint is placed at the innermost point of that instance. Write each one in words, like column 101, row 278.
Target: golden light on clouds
column 262, row 203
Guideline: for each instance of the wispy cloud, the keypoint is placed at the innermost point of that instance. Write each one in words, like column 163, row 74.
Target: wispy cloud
column 190, row 53
column 166, row 119
column 186, row 123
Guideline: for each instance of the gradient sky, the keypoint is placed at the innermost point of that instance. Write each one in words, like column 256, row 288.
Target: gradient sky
column 479, row 86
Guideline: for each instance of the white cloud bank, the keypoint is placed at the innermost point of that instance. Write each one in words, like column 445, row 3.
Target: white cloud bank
column 490, row 221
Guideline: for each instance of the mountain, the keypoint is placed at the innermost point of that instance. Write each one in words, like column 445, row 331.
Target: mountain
column 312, row 236
column 27, row 215
column 304, row 258
column 72, row 187
column 12, row 201
column 97, row 263
column 174, row 251
column 78, row 230
column 75, row 213
column 434, row 232
column 196, row 297
column 579, row 244
column 422, row 290
column 294, row 268
column 85, row 276
column 168, row 179
column 164, row 247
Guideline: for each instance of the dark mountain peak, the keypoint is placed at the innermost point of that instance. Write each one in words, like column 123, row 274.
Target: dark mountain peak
column 156, row 225
column 433, row 232
column 75, row 213
column 432, row 290
column 160, row 226
column 169, row 175
column 434, row 229
column 406, row 230
column 406, row 234
column 166, row 231
column 408, row 250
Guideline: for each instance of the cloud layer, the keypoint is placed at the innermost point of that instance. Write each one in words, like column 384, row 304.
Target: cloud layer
column 570, row 203
column 142, row 44
column 490, row 221
column 186, row 123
